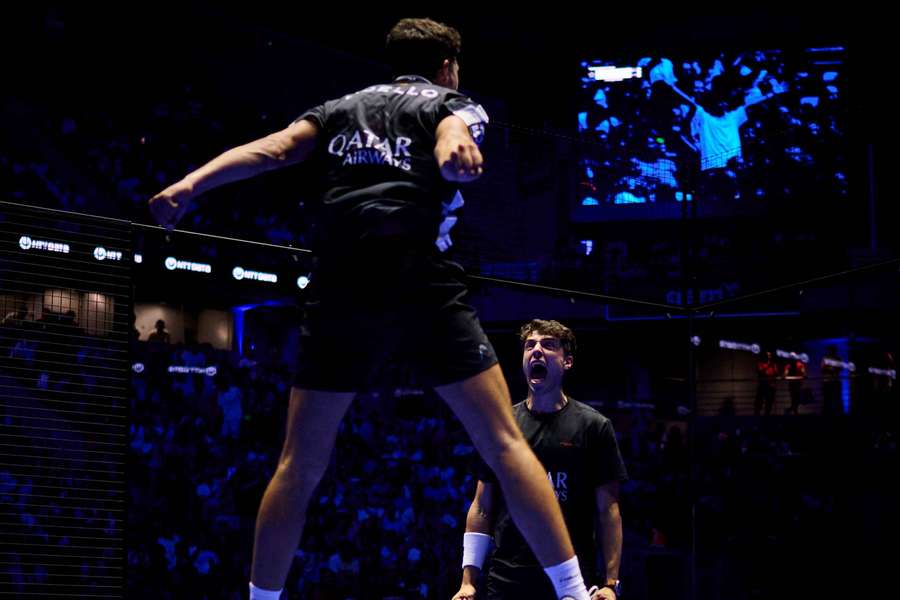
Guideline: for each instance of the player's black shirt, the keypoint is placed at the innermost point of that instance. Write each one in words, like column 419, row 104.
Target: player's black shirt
column 376, row 148
column 578, row 449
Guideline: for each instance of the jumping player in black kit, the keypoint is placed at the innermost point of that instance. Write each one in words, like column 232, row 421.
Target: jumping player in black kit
column 579, row 452
column 380, row 292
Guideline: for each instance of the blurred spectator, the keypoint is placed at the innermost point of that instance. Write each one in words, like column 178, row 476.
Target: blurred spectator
column 161, row 335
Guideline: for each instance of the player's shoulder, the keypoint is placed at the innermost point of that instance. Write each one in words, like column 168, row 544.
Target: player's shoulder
column 588, row 413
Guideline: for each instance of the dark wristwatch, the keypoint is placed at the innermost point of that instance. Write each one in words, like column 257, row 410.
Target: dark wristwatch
column 616, row 587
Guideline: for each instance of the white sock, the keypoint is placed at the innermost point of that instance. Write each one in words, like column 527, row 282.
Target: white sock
column 261, row 594
column 567, row 580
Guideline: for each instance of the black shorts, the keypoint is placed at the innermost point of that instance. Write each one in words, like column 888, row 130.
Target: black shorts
column 389, row 315
column 524, row 582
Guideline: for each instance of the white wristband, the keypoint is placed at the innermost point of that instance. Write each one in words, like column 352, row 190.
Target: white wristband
column 475, row 549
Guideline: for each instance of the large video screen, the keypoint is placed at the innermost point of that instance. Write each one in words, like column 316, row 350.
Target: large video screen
column 734, row 132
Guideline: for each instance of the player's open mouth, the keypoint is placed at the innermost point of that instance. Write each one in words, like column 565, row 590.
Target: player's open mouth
column 537, row 372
